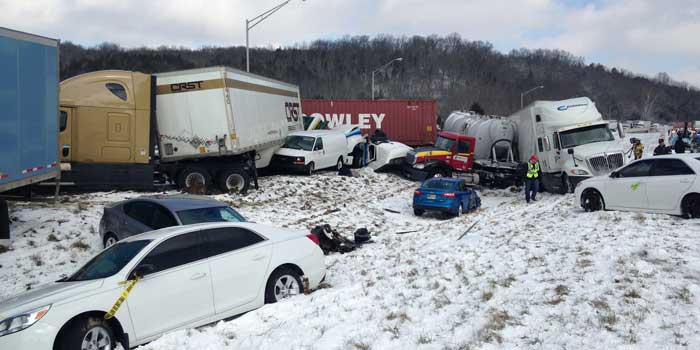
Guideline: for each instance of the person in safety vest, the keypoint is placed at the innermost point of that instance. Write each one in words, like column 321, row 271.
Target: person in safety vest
column 532, row 179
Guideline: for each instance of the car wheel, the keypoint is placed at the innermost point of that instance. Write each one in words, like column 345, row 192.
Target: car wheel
column 91, row 333
column 310, row 169
column 460, row 210
column 592, row 201
column 110, row 239
column 194, row 179
column 418, row 212
column 691, row 206
column 233, row 180
column 339, row 165
column 284, row 283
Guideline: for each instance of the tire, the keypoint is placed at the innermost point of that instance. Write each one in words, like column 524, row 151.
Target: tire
column 418, row 212
column 280, row 280
column 440, row 173
column 460, row 210
column 110, row 239
column 233, row 180
column 87, row 330
column 194, row 179
column 691, row 206
column 567, row 186
column 592, row 201
column 339, row 164
column 310, row 169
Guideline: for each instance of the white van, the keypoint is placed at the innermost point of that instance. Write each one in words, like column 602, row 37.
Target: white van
column 307, row 151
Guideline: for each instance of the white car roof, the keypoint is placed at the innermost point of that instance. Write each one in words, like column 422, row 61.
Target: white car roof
column 314, row 133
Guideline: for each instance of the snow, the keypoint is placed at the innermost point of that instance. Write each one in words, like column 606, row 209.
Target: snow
column 544, row 275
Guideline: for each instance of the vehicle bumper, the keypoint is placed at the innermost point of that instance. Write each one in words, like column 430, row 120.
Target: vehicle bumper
column 39, row 336
column 289, row 167
column 413, row 173
column 444, row 208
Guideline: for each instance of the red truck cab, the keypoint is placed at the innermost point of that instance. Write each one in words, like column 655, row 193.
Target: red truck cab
column 451, row 153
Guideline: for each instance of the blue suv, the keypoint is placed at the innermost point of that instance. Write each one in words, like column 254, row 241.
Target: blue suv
column 447, row 195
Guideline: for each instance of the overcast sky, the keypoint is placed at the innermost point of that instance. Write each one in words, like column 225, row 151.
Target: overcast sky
column 643, row 36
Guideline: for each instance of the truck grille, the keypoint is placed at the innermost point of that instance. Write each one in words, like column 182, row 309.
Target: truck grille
column 604, row 164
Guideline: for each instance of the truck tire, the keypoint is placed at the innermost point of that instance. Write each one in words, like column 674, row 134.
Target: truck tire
column 566, row 185
column 194, row 179
column 233, row 180
column 339, row 164
column 4, row 222
column 440, row 173
column 310, row 169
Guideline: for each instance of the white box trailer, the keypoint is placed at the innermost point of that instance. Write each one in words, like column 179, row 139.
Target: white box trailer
column 222, row 111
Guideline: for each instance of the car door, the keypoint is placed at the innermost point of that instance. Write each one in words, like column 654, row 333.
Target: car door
column 463, row 155
column 627, row 188
column 320, row 154
column 177, row 293
column 670, row 179
column 136, row 219
column 239, row 261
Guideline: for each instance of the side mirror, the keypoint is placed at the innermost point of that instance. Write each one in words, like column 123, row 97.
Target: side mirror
column 142, row 270
column 570, row 151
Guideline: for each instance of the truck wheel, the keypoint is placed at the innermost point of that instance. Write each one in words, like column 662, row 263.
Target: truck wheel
column 440, row 173
column 310, row 169
column 194, row 179
column 234, row 180
column 567, row 185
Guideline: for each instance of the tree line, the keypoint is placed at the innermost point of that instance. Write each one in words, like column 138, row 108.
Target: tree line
column 459, row 73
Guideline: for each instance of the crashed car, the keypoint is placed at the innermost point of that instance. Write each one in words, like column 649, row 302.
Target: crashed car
column 447, row 195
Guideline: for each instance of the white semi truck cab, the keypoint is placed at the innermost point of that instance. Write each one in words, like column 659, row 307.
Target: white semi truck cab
column 571, row 140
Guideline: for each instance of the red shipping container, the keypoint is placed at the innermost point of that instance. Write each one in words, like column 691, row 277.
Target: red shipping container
column 413, row 122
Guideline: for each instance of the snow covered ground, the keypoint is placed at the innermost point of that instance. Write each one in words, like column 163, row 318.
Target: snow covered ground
column 540, row 276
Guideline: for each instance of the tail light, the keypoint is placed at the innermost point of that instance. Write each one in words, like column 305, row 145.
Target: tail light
column 312, row 237
column 449, row 195
column 418, row 193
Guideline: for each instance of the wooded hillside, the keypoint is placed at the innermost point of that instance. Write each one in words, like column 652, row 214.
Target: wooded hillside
column 455, row 71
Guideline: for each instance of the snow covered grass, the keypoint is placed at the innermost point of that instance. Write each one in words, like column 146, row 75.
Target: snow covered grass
column 540, row 276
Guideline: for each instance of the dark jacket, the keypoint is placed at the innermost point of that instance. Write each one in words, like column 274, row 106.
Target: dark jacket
column 661, row 150
column 680, row 145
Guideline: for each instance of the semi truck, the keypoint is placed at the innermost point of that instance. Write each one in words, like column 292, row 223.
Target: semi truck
column 569, row 137
column 195, row 128
column 29, row 119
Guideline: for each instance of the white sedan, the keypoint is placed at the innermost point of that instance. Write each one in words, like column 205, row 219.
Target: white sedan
column 661, row 184
column 189, row 276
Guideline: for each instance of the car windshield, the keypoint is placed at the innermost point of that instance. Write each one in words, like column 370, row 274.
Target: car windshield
column 109, row 261
column 586, row 135
column 216, row 214
column 444, row 143
column 299, row 142
column 439, row 185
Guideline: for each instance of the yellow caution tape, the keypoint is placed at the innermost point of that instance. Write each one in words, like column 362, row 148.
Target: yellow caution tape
column 129, row 286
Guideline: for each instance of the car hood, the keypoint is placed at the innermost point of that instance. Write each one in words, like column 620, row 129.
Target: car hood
column 291, row 152
column 44, row 295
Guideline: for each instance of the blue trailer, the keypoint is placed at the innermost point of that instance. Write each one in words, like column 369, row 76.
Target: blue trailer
column 29, row 118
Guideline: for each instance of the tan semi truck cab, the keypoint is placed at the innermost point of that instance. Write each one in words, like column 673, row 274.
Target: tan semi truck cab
column 201, row 127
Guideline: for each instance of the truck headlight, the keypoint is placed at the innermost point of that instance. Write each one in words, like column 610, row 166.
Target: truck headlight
column 22, row 321
column 419, row 166
column 299, row 159
column 579, row 172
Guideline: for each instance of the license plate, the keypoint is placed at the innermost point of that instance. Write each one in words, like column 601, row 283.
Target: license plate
column 432, row 196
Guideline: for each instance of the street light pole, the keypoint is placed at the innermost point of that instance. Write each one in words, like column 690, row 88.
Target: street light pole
column 398, row 59
column 251, row 23
column 522, row 94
